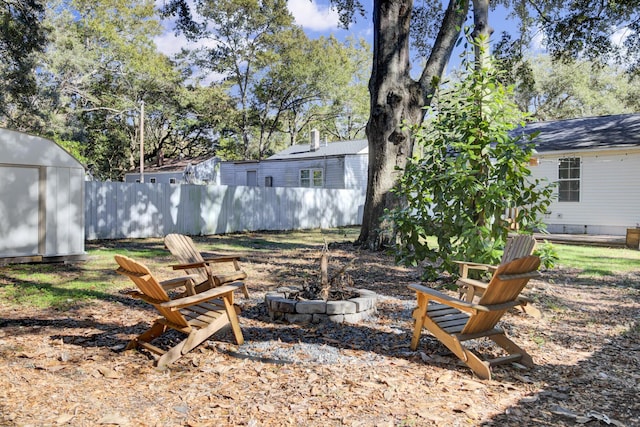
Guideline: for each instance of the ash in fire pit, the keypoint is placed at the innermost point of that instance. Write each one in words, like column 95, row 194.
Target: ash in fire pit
column 331, row 298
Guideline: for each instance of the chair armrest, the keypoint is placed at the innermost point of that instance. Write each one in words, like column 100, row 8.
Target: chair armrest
column 478, row 284
column 191, row 265
column 189, row 282
column 225, row 258
column 178, row 281
column 230, row 277
column 220, row 291
column 437, row 296
column 442, row 298
column 465, row 266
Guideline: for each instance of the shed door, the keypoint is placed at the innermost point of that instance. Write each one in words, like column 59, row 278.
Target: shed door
column 19, row 211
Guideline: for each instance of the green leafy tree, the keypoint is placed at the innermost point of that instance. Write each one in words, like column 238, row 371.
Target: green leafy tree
column 22, row 38
column 576, row 88
column 302, row 78
column 237, row 43
column 315, row 82
column 470, row 172
column 346, row 113
column 101, row 64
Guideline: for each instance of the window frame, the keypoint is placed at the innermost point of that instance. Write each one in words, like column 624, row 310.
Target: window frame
column 312, row 179
column 569, row 175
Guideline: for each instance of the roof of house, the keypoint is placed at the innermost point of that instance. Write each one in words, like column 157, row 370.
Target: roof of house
column 171, row 164
column 341, row 148
column 602, row 132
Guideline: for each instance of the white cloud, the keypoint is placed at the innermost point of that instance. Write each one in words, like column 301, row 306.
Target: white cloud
column 538, row 41
column 619, row 36
column 312, row 16
column 170, row 44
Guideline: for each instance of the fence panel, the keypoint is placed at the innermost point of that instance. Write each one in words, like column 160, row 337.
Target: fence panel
column 115, row 210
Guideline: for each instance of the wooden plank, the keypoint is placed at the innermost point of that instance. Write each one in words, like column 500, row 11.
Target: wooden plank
column 505, row 359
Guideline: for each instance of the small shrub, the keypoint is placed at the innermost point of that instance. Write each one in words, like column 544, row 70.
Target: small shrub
column 548, row 255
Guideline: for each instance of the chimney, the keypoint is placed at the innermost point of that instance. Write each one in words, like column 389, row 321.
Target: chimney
column 314, row 140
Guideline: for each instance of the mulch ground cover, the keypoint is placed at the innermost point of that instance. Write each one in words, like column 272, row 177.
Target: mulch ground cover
column 70, row 368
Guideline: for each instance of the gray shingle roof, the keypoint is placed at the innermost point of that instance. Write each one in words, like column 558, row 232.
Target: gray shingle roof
column 602, row 132
column 341, row 148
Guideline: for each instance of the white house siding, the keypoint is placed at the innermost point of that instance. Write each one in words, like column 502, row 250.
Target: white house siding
column 356, row 171
column 609, row 192
column 42, row 198
column 284, row 173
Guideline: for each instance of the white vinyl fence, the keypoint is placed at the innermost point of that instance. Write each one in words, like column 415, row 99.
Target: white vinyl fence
column 115, row 210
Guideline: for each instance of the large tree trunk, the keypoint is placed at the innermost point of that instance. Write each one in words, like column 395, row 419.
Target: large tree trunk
column 397, row 100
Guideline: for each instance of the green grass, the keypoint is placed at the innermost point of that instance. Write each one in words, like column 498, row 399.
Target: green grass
column 63, row 287
column 598, row 261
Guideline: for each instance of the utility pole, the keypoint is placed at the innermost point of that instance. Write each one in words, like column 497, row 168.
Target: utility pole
column 141, row 141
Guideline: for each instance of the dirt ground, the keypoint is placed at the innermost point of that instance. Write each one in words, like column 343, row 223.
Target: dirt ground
column 69, row 367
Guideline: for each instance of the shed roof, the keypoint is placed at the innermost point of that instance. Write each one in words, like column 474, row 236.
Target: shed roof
column 19, row 148
column 602, row 132
column 340, row 148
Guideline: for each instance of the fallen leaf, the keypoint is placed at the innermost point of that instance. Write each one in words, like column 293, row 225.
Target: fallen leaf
column 270, row 409
column 116, row 419
column 64, row 418
column 559, row 410
column 109, row 373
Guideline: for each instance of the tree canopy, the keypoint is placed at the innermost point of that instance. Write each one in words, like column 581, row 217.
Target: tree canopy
column 84, row 83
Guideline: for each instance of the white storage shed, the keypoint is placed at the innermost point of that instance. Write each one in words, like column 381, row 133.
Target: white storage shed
column 41, row 200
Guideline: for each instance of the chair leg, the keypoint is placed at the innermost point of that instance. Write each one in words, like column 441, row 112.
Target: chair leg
column 245, row 291
column 512, row 348
column 194, row 339
column 481, row 368
column 149, row 335
column 233, row 318
column 419, row 314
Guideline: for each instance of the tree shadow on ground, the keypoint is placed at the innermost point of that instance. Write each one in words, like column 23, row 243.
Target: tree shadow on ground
column 602, row 388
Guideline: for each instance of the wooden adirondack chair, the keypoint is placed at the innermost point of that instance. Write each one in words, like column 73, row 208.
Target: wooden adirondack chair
column 517, row 246
column 454, row 321
column 194, row 263
column 198, row 316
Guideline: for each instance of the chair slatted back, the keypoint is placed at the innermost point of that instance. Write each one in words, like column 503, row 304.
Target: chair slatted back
column 505, row 286
column 149, row 286
column 518, row 246
column 185, row 251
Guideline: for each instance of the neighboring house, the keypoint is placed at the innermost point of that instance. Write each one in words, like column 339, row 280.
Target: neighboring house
column 199, row 170
column 329, row 165
column 41, row 200
column 596, row 164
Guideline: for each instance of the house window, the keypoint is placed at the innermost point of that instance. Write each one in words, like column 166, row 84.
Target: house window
column 569, row 179
column 152, row 180
column 311, row 178
column 172, row 180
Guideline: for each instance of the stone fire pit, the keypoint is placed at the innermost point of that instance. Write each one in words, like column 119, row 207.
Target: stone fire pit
column 293, row 310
